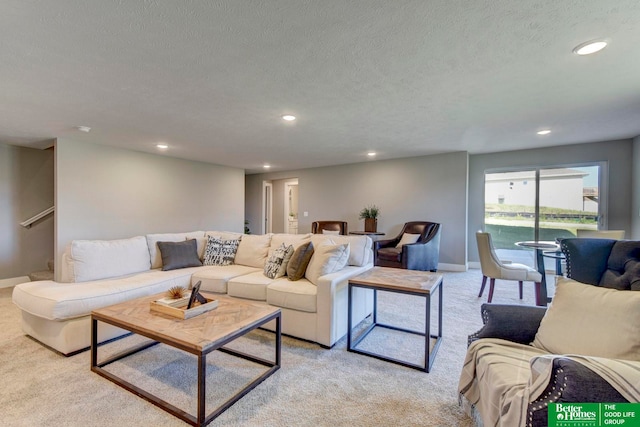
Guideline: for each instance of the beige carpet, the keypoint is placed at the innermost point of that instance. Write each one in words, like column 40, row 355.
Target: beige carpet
column 314, row 387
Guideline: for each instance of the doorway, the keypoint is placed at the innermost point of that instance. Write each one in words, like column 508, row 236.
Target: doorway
column 291, row 206
column 267, row 207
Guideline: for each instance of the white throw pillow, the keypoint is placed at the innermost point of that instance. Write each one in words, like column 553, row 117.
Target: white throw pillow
column 360, row 247
column 407, row 239
column 591, row 321
column 327, row 259
column 253, row 250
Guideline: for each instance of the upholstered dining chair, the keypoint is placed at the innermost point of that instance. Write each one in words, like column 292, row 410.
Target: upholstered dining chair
column 329, row 227
column 416, row 247
column 493, row 268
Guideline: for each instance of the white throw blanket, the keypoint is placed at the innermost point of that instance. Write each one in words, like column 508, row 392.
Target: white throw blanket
column 500, row 378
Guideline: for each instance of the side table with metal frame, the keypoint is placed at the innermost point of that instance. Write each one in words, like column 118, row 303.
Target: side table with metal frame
column 412, row 282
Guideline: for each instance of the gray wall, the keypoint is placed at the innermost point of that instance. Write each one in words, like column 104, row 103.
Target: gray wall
column 617, row 154
column 26, row 189
column 110, row 193
column 635, row 199
column 432, row 188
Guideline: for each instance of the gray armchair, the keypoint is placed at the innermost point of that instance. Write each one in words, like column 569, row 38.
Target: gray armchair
column 597, row 262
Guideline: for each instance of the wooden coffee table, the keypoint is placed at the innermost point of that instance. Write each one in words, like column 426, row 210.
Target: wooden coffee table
column 199, row 335
column 412, row 282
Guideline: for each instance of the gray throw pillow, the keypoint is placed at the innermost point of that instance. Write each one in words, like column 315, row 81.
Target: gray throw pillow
column 179, row 254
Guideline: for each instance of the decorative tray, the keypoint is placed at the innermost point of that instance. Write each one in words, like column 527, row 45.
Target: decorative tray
column 182, row 312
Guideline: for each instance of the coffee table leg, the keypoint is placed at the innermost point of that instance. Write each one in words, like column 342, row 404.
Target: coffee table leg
column 349, row 314
column 202, row 376
column 94, row 342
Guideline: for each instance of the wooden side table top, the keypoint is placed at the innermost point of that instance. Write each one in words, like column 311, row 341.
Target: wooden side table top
column 198, row 334
column 398, row 279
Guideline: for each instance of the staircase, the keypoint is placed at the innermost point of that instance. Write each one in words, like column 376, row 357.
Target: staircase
column 44, row 274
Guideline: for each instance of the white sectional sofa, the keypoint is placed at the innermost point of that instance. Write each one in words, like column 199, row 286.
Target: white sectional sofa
column 98, row 273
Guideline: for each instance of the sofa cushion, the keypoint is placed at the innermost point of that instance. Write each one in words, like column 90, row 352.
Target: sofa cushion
column 214, row 279
column 253, row 250
column 276, row 265
column 153, row 239
column 294, row 240
column 390, row 254
column 591, row 321
column 327, row 259
column 220, row 252
column 61, row 301
column 299, row 261
column 179, row 254
column 360, row 253
column 300, row 295
column 224, row 235
column 102, row 259
column 250, row 286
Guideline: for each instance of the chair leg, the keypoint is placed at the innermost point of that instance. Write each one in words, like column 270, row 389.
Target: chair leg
column 484, row 282
column 538, row 286
column 520, row 287
column 492, row 283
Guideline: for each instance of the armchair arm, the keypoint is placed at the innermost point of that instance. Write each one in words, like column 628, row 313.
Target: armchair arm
column 421, row 256
column 517, row 323
column 571, row 382
column 379, row 244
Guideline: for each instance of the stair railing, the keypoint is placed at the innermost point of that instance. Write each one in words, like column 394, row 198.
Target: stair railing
column 29, row 222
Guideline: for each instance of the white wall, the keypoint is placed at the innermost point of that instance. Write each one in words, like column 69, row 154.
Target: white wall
column 429, row 188
column 110, row 193
column 26, row 189
column 617, row 155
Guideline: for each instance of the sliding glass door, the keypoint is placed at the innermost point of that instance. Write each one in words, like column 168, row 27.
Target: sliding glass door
column 540, row 204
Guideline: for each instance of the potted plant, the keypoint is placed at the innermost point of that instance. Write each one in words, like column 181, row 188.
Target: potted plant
column 370, row 216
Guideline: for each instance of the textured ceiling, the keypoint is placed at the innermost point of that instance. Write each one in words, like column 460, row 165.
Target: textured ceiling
column 403, row 78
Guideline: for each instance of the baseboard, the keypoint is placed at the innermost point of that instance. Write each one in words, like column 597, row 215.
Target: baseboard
column 451, row 267
column 8, row 283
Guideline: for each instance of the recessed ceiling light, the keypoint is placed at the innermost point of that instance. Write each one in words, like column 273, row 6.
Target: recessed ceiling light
column 266, row 166
column 84, row 128
column 544, row 132
column 288, row 117
column 371, row 154
column 587, row 48
column 162, row 146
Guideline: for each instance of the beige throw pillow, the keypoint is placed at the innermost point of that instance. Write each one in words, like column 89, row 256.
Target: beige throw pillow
column 327, row 259
column 407, row 239
column 591, row 321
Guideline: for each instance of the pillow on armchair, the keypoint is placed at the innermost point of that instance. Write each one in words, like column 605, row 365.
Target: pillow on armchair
column 407, row 239
column 591, row 321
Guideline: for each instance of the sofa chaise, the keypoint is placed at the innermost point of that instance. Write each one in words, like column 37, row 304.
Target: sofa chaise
column 585, row 347
column 98, row 273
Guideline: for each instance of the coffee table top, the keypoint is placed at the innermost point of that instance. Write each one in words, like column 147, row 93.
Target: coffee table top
column 398, row 279
column 196, row 335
